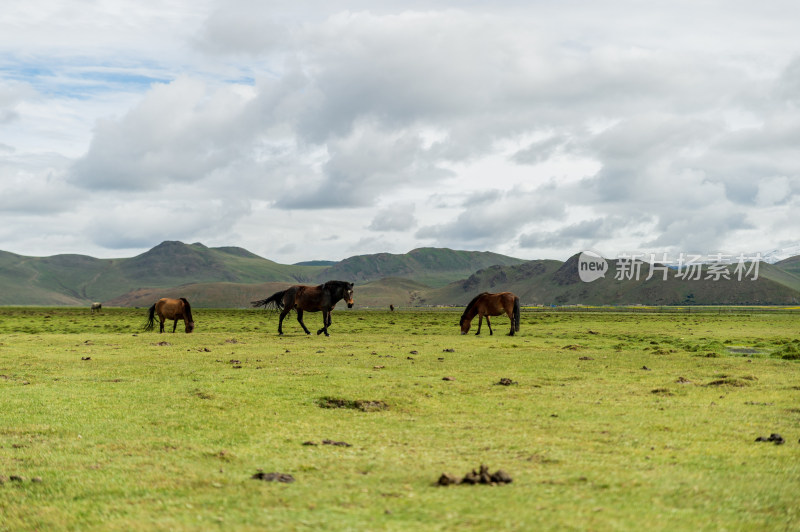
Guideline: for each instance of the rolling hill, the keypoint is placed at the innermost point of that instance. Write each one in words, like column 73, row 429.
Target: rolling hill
column 78, row 279
column 223, row 276
column 232, row 277
column 556, row 283
column 433, row 267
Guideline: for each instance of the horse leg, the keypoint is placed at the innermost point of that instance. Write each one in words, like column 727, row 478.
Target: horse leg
column 161, row 325
column 326, row 320
column 280, row 321
column 511, row 317
column 300, row 321
column 480, row 322
column 174, row 324
column 489, row 324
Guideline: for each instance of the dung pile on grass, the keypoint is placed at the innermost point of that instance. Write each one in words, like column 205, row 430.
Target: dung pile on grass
column 775, row 438
column 481, row 476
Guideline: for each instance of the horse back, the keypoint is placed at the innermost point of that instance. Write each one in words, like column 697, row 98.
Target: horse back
column 496, row 304
column 169, row 308
column 309, row 298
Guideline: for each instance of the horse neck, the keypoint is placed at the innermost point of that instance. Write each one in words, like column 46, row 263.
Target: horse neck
column 335, row 291
column 470, row 312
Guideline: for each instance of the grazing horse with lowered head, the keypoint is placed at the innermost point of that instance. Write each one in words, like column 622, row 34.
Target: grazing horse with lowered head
column 486, row 304
column 96, row 306
column 309, row 298
column 170, row 309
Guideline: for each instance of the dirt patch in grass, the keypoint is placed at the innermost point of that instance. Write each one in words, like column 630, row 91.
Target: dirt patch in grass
column 328, row 442
column 731, row 381
column 661, row 391
column 358, row 404
column 273, row 477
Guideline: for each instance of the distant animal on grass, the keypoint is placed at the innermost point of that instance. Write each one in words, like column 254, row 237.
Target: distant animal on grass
column 487, row 304
column 96, row 307
column 309, row 298
column 170, row 309
column 391, row 307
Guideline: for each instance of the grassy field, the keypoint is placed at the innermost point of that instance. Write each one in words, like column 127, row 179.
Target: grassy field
column 611, row 421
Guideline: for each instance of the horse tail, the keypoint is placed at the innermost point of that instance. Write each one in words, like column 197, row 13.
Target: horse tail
column 275, row 301
column 516, row 313
column 151, row 319
column 187, row 310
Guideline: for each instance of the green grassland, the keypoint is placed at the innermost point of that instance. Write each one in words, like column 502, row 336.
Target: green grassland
column 613, row 421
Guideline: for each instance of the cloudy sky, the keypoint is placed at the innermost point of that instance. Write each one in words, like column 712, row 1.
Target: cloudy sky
column 324, row 129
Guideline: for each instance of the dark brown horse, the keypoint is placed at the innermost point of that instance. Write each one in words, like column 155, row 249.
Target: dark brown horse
column 309, row 298
column 486, row 304
column 170, row 309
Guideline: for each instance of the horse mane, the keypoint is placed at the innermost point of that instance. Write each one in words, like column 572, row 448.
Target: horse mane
column 472, row 304
column 333, row 286
column 188, row 309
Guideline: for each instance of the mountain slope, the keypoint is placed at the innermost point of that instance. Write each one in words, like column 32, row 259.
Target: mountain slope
column 430, row 266
column 232, row 277
column 790, row 265
column 554, row 283
column 172, row 267
column 77, row 279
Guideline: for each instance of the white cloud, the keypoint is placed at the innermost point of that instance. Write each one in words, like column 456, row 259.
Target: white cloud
column 524, row 128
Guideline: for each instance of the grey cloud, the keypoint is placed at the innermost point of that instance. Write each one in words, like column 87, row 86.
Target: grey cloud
column 698, row 232
column 124, row 225
column 493, row 221
column 396, row 217
column 226, row 31
column 586, row 233
column 363, row 166
column 539, row 151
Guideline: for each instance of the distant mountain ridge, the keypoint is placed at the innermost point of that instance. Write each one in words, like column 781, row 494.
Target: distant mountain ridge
column 232, row 277
column 556, row 283
column 78, row 279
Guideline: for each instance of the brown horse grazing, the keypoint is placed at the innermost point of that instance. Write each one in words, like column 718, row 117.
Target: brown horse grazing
column 309, row 298
column 486, row 304
column 170, row 309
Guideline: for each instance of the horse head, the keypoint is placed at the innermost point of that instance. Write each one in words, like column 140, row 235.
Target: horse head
column 189, row 326
column 465, row 324
column 348, row 294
